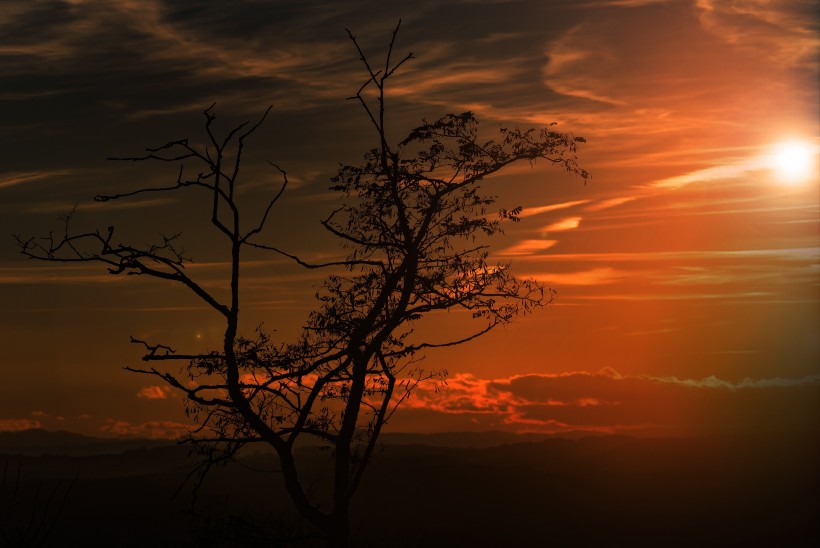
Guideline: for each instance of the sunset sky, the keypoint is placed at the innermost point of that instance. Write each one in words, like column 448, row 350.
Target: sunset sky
column 687, row 268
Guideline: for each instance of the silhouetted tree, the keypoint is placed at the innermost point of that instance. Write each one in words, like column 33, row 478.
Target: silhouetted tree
column 415, row 223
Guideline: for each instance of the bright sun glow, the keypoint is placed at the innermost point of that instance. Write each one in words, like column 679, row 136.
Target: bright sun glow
column 793, row 162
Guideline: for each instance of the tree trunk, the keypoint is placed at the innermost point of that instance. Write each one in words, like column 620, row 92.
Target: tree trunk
column 338, row 536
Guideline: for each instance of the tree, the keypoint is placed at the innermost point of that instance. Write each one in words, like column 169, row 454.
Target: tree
column 415, row 224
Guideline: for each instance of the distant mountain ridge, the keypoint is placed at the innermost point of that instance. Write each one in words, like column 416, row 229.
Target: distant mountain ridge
column 37, row 441
column 477, row 440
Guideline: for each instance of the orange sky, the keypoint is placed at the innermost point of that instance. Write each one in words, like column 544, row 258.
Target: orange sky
column 687, row 268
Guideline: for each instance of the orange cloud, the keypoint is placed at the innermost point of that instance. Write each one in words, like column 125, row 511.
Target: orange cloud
column 776, row 30
column 612, row 202
column 606, row 401
column 562, row 71
column 626, row 3
column 596, row 276
column 149, row 429
column 154, row 392
column 537, row 210
column 16, row 425
column 568, row 223
column 528, row 247
column 24, row 177
column 725, row 170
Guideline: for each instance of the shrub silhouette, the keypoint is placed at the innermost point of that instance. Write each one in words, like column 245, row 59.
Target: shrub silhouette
column 29, row 513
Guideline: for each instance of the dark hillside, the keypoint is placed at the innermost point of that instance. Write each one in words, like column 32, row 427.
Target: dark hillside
column 39, row 442
column 599, row 491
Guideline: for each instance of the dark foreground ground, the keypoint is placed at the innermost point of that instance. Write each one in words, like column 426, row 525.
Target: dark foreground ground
column 598, row 491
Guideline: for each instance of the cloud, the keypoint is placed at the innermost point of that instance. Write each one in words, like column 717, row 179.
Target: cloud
column 624, row 3
column 563, row 72
column 783, row 31
column 154, row 392
column 438, row 78
column 65, row 207
column 749, row 274
column 34, row 276
column 796, row 254
column 568, row 223
column 528, row 247
column 149, row 429
column 714, row 382
column 730, row 275
column 727, row 170
column 640, row 90
column 609, row 402
column 461, row 393
column 757, row 159
column 612, row 202
column 17, row 425
column 207, row 47
column 537, row 210
column 653, row 331
column 595, row 276
column 15, row 178
column 728, row 297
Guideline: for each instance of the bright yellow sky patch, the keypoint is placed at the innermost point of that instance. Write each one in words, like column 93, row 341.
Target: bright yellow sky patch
column 793, row 162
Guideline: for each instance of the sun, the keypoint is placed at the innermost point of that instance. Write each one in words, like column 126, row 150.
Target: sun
column 793, row 162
